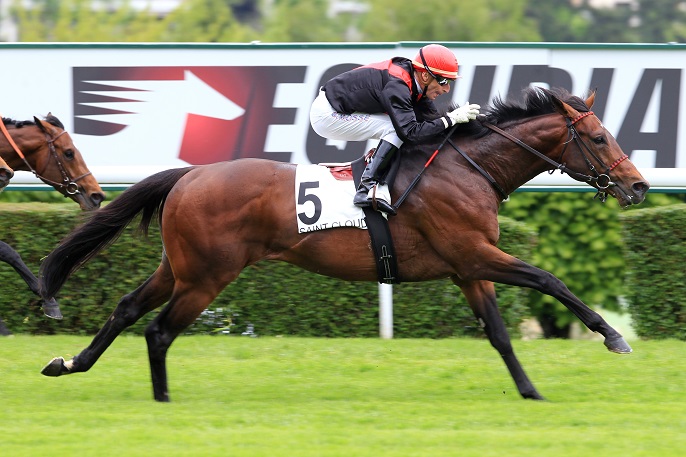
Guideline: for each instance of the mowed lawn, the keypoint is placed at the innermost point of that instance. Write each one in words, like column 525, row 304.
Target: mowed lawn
column 240, row 396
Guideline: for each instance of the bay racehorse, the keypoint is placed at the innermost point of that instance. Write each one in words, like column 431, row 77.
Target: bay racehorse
column 218, row 219
column 45, row 149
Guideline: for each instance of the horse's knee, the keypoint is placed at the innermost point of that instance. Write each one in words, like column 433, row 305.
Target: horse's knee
column 157, row 341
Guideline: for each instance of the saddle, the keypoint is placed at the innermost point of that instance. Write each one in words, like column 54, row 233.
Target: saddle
column 377, row 224
column 343, row 171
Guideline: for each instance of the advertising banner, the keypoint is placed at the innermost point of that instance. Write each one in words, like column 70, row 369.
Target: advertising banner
column 134, row 109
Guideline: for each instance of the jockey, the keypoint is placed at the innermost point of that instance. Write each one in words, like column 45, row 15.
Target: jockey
column 380, row 101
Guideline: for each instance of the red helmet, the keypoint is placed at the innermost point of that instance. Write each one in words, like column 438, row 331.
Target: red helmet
column 437, row 60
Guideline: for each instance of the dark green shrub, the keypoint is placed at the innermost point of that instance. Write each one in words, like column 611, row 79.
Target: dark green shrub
column 276, row 298
column 579, row 241
column 655, row 249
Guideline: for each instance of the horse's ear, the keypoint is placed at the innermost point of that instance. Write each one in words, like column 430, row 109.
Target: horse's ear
column 591, row 99
column 41, row 124
column 563, row 108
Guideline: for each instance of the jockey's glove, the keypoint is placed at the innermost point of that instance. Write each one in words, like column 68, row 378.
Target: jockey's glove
column 464, row 113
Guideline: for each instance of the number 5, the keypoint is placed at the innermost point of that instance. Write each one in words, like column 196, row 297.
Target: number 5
column 303, row 198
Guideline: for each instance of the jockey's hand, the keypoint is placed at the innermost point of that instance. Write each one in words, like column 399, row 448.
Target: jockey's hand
column 464, row 113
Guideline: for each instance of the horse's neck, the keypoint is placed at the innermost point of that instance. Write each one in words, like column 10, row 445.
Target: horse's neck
column 510, row 164
column 28, row 143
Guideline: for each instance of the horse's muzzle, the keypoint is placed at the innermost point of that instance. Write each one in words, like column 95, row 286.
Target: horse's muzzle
column 5, row 175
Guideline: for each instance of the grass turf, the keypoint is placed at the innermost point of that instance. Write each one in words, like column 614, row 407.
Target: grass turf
column 344, row 397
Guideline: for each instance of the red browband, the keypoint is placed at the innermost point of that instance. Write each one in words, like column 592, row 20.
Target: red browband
column 581, row 116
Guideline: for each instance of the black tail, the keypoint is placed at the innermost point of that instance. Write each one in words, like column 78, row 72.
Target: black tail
column 106, row 225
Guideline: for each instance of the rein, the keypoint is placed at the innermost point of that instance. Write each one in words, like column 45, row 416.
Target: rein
column 69, row 185
column 426, row 165
column 602, row 180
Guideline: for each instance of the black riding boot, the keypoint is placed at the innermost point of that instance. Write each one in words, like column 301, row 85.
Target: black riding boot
column 371, row 176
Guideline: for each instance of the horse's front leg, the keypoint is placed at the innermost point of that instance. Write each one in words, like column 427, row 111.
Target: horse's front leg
column 482, row 299
column 502, row 268
column 12, row 257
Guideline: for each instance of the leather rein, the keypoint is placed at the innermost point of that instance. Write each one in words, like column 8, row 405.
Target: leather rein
column 601, row 180
column 69, row 185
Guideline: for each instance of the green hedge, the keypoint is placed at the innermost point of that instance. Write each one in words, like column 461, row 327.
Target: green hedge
column 655, row 241
column 276, row 298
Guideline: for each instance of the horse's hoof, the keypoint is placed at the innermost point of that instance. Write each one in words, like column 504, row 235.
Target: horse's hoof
column 533, row 396
column 618, row 345
column 55, row 368
column 52, row 309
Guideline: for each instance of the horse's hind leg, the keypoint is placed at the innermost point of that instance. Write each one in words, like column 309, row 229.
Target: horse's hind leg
column 183, row 309
column 12, row 257
column 151, row 294
column 482, row 299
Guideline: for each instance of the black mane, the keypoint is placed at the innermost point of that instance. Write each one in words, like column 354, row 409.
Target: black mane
column 535, row 102
column 18, row 124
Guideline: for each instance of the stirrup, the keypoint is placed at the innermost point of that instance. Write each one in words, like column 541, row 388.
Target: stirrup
column 383, row 206
column 380, row 204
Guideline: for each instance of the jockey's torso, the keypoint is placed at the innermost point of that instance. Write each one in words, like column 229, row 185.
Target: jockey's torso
column 386, row 87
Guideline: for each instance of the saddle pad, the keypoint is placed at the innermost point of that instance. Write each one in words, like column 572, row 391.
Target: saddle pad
column 323, row 202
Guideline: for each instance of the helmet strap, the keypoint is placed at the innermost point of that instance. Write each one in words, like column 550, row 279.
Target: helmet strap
column 423, row 86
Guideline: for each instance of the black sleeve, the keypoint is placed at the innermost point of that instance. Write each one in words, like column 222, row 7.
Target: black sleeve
column 398, row 104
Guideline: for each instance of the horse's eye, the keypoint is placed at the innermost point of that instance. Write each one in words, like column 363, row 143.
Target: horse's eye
column 69, row 154
column 599, row 139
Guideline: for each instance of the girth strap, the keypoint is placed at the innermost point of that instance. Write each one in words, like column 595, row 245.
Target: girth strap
column 380, row 236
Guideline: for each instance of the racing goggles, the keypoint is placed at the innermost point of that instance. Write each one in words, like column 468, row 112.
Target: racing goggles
column 441, row 80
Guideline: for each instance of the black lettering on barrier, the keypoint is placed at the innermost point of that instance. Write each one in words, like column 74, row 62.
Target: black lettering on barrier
column 524, row 75
column 601, row 80
column 262, row 113
column 482, row 84
column 664, row 141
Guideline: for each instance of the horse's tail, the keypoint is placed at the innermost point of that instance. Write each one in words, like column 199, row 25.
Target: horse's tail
column 105, row 225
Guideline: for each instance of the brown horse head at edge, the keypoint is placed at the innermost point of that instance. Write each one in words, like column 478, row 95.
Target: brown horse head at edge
column 44, row 148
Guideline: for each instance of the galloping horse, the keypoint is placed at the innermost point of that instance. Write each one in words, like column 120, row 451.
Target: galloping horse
column 218, row 219
column 44, row 148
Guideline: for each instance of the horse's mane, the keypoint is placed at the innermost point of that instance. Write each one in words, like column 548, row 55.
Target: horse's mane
column 18, row 124
column 534, row 101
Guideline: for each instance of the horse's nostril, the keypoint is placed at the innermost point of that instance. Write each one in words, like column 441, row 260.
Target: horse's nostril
column 640, row 188
column 97, row 198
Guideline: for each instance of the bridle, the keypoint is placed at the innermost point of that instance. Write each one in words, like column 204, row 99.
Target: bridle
column 602, row 181
column 68, row 184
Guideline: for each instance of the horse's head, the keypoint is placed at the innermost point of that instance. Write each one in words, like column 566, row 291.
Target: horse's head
column 62, row 166
column 6, row 173
column 594, row 152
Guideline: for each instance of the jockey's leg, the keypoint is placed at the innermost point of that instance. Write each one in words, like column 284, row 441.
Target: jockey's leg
column 373, row 174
